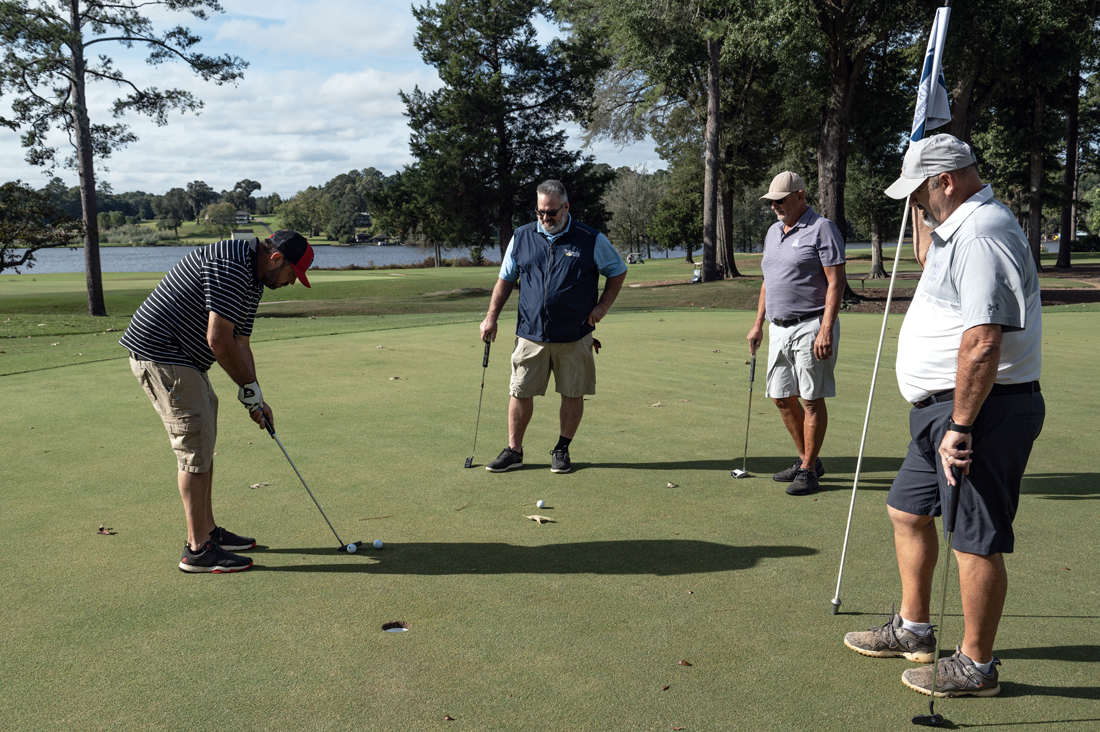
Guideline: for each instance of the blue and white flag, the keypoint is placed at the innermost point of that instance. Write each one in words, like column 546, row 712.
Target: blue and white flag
column 933, row 109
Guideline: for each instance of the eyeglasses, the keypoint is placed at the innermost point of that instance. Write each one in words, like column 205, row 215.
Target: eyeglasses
column 549, row 214
column 783, row 200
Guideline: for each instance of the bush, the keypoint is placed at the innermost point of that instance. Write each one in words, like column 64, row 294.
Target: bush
column 134, row 236
column 1087, row 243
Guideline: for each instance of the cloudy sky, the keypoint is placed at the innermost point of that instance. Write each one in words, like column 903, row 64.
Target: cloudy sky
column 319, row 98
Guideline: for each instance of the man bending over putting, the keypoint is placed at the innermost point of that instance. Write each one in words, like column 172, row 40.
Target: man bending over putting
column 969, row 356
column 558, row 262
column 202, row 312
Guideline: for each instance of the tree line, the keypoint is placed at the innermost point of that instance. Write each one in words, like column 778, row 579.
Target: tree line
column 731, row 91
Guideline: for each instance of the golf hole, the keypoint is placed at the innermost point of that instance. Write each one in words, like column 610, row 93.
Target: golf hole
column 397, row 626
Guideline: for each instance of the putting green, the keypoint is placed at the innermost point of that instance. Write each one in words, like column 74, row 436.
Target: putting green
column 656, row 554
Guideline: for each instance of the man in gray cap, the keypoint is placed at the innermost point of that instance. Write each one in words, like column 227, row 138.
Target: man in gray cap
column 968, row 360
column 804, row 280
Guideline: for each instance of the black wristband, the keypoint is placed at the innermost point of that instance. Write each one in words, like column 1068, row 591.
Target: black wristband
column 960, row 428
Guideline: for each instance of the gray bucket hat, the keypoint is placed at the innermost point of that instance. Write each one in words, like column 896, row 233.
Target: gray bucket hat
column 928, row 157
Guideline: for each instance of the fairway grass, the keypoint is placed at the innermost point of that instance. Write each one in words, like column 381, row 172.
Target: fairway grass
column 656, row 554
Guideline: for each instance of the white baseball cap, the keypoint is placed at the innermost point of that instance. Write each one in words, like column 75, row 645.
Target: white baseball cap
column 928, row 157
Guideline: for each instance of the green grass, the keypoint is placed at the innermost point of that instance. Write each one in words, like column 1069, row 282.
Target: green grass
column 573, row 625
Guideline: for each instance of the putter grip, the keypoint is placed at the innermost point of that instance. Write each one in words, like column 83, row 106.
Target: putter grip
column 752, row 369
column 952, row 508
column 267, row 425
column 485, row 360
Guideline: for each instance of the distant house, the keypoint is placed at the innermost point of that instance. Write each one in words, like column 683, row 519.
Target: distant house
column 362, row 219
column 242, row 234
column 383, row 241
column 243, row 217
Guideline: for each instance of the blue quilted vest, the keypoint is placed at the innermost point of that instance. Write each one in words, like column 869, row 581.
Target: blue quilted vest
column 558, row 283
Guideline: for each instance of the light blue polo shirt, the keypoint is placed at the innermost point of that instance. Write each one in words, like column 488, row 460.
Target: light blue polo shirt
column 608, row 260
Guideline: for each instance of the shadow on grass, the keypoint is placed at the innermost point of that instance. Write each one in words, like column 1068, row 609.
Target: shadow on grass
column 1087, row 654
column 1062, row 486
column 658, row 557
column 763, row 467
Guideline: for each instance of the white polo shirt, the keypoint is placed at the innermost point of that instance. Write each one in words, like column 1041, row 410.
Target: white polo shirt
column 979, row 271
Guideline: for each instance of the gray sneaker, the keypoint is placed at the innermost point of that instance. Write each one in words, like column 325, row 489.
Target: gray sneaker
column 506, row 460
column 786, row 476
column 955, row 676
column 893, row 641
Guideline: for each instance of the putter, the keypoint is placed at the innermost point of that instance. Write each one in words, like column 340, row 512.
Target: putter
column 343, row 547
column 743, row 473
column 484, row 366
column 932, row 719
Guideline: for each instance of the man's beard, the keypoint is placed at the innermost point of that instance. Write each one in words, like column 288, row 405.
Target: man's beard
column 557, row 227
column 927, row 220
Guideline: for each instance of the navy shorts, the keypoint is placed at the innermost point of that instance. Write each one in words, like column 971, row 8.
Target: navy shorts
column 1004, row 432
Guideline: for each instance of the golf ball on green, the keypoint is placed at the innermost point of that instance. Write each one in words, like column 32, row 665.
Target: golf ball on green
column 352, row 548
column 540, row 503
column 377, row 543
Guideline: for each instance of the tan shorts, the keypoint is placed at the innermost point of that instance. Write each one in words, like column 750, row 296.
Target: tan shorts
column 572, row 363
column 188, row 407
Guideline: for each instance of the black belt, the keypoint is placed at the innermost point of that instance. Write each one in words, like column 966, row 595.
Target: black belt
column 1030, row 387
column 795, row 321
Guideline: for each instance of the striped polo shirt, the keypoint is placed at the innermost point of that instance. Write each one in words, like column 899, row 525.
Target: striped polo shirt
column 170, row 326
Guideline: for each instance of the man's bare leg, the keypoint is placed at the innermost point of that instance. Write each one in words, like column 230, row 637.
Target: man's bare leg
column 917, row 544
column 195, row 490
column 813, row 430
column 794, row 419
column 984, row 584
column 519, row 416
column 572, row 409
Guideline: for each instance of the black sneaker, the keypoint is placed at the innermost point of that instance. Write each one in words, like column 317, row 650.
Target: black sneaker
column 956, row 675
column 213, row 559
column 506, row 460
column 786, row 476
column 804, row 483
column 229, row 541
column 559, row 462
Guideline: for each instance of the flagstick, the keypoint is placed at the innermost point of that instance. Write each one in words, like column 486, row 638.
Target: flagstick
column 870, row 398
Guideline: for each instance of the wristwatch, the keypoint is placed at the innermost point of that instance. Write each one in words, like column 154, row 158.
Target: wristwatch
column 964, row 429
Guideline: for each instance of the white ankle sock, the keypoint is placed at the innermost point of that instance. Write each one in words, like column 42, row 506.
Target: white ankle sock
column 918, row 628
column 983, row 667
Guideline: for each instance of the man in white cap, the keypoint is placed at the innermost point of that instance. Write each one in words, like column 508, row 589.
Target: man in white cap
column 969, row 357
column 804, row 280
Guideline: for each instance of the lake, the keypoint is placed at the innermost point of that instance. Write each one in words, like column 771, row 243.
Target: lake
column 162, row 259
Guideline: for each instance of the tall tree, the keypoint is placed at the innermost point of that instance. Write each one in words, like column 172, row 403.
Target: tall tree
column 199, row 196
column 171, row 209
column 489, row 136
column 30, row 221
column 241, row 196
column 47, row 68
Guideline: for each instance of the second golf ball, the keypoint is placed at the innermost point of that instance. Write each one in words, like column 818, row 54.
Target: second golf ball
column 377, row 543
column 540, row 503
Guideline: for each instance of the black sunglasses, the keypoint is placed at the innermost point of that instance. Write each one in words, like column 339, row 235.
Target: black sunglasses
column 549, row 214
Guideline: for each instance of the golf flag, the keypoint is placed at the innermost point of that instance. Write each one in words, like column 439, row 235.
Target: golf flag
column 933, row 109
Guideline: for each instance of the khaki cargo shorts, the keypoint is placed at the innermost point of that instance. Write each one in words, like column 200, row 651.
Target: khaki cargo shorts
column 573, row 366
column 188, row 407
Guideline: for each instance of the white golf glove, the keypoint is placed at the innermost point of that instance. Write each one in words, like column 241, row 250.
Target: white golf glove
column 250, row 396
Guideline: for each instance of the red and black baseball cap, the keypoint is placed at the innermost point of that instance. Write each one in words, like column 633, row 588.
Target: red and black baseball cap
column 297, row 251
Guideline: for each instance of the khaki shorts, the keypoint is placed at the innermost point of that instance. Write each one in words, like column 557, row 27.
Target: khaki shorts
column 572, row 363
column 188, row 407
column 792, row 368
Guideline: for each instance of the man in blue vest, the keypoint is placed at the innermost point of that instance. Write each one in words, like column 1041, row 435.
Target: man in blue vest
column 557, row 262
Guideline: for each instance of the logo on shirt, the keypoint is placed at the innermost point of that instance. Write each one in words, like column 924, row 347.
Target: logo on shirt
column 992, row 307
column 572, row 253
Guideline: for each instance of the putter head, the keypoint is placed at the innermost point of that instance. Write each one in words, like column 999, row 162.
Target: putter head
column 738, row 473
column 469, row 462
column 929, row 720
